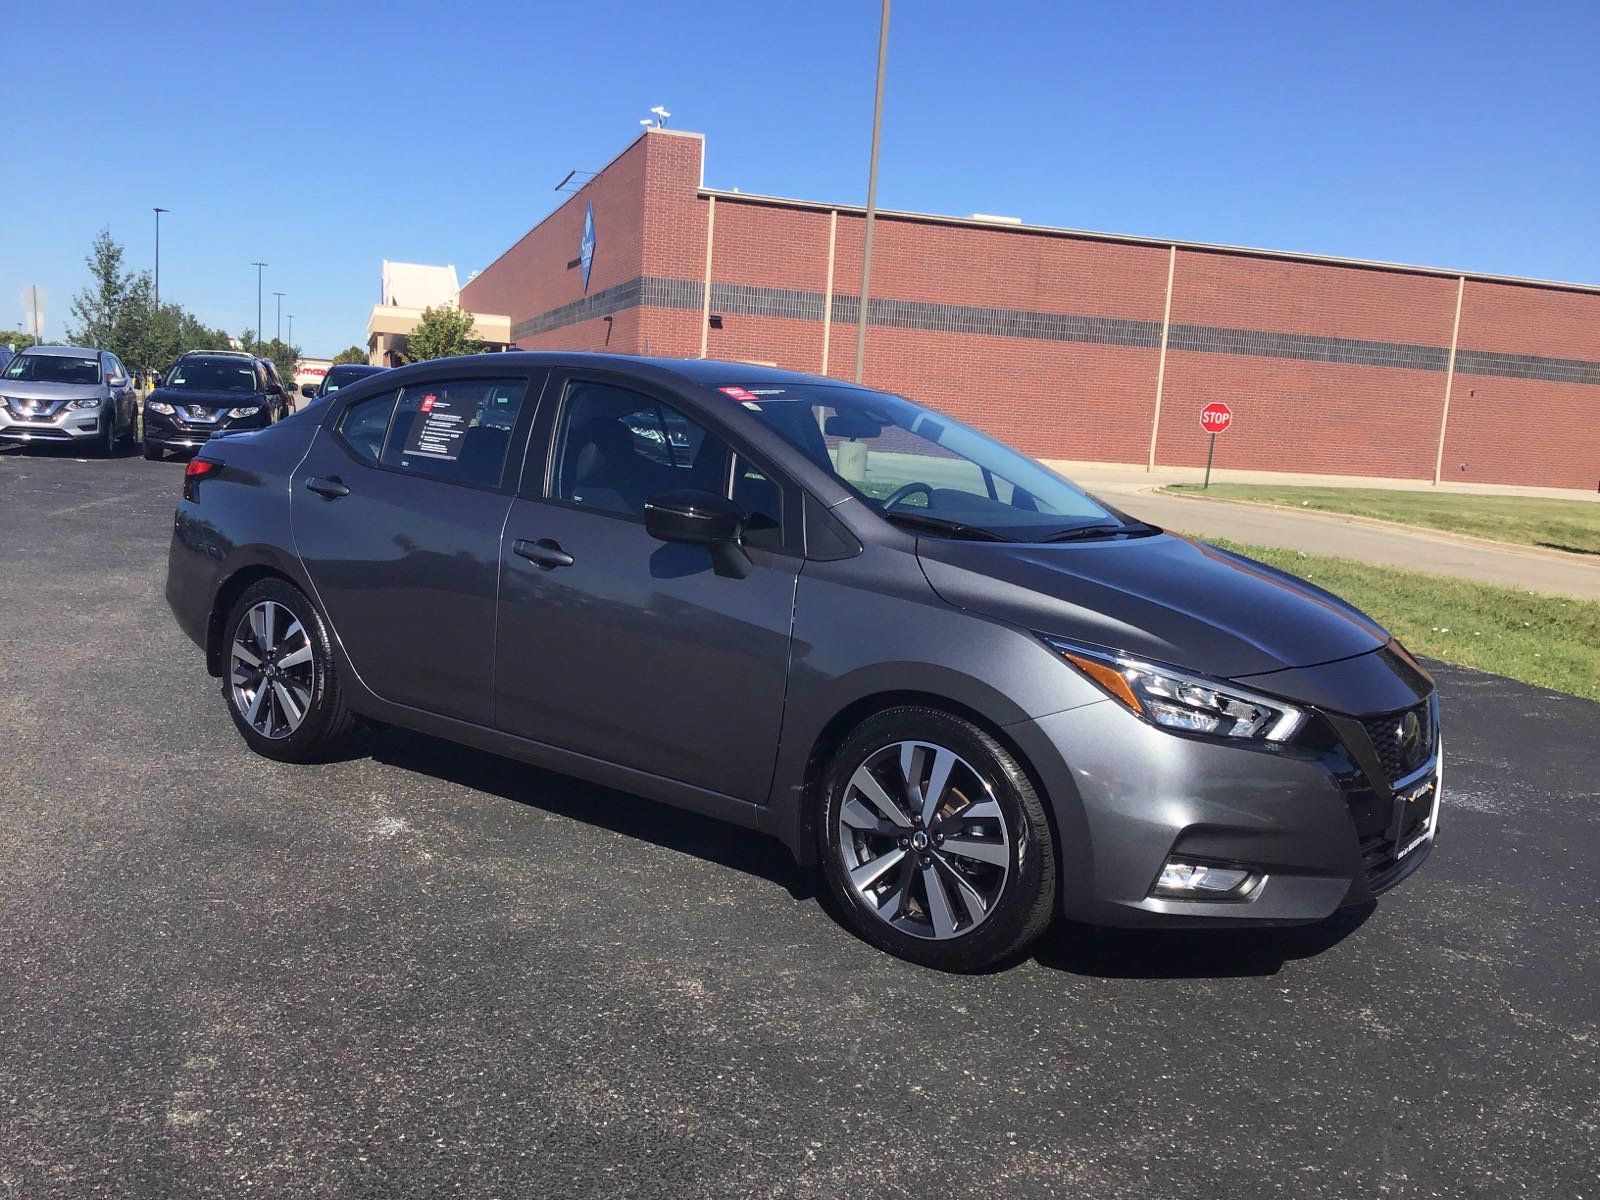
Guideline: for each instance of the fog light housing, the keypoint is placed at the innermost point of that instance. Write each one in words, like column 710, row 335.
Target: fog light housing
column 1183, row 880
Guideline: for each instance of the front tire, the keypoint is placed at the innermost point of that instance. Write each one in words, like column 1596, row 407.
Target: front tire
column 934, row 842
column 280, row 678
column 152, row 451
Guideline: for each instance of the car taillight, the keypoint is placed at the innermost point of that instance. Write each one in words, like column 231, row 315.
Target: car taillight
column 198, row 469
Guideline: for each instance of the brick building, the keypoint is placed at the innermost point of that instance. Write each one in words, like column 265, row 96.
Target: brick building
column 1075, row 345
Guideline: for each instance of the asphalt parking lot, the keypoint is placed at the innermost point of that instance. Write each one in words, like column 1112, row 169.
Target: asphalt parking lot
column 423, row 971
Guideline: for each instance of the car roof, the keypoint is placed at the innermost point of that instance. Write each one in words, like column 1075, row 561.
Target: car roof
column 62, row 351
column 216, row 354
column 208, row 356
column 709, row 372
column 366, row 367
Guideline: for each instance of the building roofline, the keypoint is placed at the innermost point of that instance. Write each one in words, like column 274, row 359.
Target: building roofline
column 615, row 158
column 1130, row 239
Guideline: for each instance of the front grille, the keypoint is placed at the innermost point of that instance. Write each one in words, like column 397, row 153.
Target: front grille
column 1403, row 740
column 1380, row 843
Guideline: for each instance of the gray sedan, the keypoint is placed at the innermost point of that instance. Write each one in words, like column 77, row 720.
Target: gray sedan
column 972, row 693
column 68, row 395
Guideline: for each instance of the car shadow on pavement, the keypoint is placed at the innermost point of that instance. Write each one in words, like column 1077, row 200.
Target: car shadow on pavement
column 1190, row 953
column 621, row 812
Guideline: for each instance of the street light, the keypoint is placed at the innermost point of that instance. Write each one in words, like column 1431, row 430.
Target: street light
column 258, row 266
column 158, row 213
column 291, row 329
column 872, row 196
column 279, row 336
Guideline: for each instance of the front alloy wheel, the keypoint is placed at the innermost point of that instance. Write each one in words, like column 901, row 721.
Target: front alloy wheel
column 923, row 840
column 934, row 842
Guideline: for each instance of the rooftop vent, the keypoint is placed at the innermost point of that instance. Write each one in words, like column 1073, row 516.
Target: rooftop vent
column 996, row 219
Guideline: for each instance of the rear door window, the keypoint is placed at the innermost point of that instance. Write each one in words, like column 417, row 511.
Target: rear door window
column 455, row 429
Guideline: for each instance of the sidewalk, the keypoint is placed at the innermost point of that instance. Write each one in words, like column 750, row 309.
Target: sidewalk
column 1100, row 476
column 1129, row 488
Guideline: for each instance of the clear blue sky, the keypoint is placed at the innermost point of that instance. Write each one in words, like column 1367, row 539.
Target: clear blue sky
column 323, row 138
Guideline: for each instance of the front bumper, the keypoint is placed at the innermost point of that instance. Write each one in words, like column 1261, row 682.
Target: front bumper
column 176, row 433
column 1309, row 823
column 76, row 425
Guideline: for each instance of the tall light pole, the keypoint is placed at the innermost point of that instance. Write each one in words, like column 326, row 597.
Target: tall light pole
column 258, row 266
column 872, row 196
column 291, row 329
column 158, row 212
column 279, row 335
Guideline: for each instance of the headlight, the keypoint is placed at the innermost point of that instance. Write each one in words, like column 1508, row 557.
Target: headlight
column 160, row 406
column 1174, row 699
column 76, row 404
column 243, row 412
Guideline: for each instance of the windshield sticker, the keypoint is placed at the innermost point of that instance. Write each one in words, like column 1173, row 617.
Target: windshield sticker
column 738, row 393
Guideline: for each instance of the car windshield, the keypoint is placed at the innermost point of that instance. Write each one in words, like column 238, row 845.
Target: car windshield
column 212, row 377
column 337, row 377
column 927, row 471
column 54, row 368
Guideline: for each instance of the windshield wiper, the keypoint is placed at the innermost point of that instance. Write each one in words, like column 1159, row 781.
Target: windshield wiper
column 1099, row 530
column 955, row 529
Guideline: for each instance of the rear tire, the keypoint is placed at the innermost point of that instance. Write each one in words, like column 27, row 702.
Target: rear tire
column 279, row 675
column 960, row 881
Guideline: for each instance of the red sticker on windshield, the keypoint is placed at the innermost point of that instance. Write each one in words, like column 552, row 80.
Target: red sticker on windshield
column 742, row 395
column 427, row 402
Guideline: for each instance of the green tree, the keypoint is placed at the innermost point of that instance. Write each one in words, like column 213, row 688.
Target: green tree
column 16, row 339
column 99, row 307
column 351, row 354
column 443, row 332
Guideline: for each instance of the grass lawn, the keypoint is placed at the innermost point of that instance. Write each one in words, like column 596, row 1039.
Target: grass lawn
column 1548, row 640
column 1528, row 521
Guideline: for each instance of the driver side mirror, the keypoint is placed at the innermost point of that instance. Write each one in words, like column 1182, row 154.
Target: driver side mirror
column 690, row 516
column 308, row 390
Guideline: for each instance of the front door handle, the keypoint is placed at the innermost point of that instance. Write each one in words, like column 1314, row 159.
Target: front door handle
column 546, row 552
column 332, row 489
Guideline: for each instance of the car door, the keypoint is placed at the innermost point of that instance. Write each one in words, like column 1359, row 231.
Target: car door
column 625, row 648
column 397, row 512
column 118, row 389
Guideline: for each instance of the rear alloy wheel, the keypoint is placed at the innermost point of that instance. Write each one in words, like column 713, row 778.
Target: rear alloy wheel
column 279, row 675
column 935, row 843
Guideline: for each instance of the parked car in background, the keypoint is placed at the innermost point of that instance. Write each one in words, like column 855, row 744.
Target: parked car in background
column 68, row 394
column 342, row 375
column 207, row 394
column 972, row 692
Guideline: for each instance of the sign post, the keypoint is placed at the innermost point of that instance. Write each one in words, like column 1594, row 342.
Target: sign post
column 1214, row 419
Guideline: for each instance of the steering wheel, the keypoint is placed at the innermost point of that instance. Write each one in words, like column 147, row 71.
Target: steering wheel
column 907, row 489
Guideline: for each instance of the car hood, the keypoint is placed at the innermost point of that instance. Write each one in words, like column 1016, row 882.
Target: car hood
column 1160, row 597
column 23, row 389
column 206, row 399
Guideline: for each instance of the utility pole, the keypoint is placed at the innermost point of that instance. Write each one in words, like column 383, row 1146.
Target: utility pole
column 279, row 335
column 258, row 266
column 158, row 213
column 872, row 196
column 291, row 329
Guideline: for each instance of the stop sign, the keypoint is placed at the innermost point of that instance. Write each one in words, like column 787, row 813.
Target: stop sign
column 1215, row 418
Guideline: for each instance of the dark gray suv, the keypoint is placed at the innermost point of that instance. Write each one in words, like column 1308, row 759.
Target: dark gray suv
column 973, row 693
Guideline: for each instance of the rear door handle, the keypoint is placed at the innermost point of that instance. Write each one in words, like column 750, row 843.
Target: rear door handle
column 546, row 552
column 332, row 489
